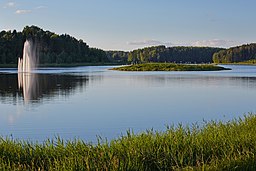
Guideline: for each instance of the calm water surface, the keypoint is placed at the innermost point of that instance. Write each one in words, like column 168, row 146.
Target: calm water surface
column 84, row 102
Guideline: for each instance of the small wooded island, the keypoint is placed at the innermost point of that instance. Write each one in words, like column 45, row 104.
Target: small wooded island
column 170, row 67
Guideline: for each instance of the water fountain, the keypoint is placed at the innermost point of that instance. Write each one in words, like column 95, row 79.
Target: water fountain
column 29, row 60
column 27, row 81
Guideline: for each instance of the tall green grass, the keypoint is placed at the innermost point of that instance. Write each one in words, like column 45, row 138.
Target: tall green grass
column 213, row 146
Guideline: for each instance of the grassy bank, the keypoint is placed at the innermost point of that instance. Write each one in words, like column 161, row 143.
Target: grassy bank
column 249, row 62
column 170, row 67
column 213, row 146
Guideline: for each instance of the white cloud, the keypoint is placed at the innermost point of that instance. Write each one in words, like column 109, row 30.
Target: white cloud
column 215, row 43
column 199, row 43
column 149, row 43
column 40, row 7
column 10, row 5
column 22, row 11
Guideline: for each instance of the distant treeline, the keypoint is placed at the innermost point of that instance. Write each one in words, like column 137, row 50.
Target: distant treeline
column 118, row 56
column 172, row 54
column 65, row 49
column 236, row 54
column 52, row 48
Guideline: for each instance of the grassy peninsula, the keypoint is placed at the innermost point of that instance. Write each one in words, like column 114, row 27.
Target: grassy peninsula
column 212, row 146
column 170, row 67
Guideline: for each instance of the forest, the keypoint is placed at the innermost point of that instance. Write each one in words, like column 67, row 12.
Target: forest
column 51, row 47
column 65, row 49
column 179, row 54
column 242, row 53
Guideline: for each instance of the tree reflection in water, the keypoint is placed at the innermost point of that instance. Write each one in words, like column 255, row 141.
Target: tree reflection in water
column 36, row 88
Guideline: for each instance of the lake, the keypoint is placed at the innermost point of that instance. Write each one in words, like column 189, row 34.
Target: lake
column 90, row 101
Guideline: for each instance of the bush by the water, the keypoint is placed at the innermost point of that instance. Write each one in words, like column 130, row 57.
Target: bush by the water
column 213, row 146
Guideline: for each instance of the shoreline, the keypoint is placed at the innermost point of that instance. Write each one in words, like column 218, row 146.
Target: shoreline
column 249, row 64
column 62, row 65
column 107, row 64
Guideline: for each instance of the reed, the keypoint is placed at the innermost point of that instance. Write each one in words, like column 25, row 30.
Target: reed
column 212, row 146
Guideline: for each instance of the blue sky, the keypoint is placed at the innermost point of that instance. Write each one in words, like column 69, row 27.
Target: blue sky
column 131, row 24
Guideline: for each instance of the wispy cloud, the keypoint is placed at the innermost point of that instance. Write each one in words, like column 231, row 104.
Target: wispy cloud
column 215, row 43
column 149, row 43
column 40, row 7
column 10, row 5
column 199, row 43
column 22, row 11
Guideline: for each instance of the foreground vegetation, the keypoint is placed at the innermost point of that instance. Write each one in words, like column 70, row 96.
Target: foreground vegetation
column 212, row 146
column 170, row 67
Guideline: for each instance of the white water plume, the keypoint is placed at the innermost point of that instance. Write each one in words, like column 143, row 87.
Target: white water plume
column 29, row 60
column 27, row 81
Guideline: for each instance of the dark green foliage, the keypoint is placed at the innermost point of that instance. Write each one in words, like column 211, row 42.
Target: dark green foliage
column 173, row 54
column 170, row 67
column 242, row 53
column 52, row 48
column 11, row 46
column 212, row 146
column 64, row 49
column 118, row 56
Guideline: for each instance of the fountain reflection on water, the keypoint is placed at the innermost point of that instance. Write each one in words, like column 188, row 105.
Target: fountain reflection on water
column 28, row 82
